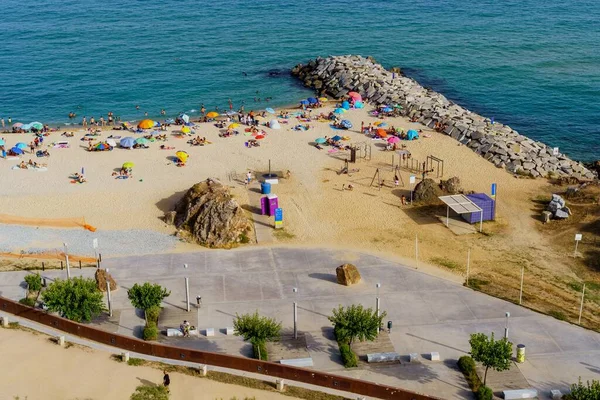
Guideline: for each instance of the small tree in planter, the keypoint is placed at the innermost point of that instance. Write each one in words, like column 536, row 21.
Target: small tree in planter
column 495, row 354
column 258, row 330
column 356, row 322
column 77, row 299
column 147, row 297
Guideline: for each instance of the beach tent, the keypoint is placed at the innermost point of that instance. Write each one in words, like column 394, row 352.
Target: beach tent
column 182, row 156
column 320, row 140
column 146, row 124
column 127, row 142
column 313, row 100
column 21, row 145
column 16, row 150
column 359, row 104
column 345, row 105
column 412, row 134
column 274, row 124
column 346, row 124
column 184, row 117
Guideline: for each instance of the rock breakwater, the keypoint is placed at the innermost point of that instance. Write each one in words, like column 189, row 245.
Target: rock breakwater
column 496, row 142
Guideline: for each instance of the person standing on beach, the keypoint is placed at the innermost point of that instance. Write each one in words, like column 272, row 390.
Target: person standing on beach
column 202, row 109
column 166, row 380
column 2, row 122
column 84, row 122
column 102, row 122
column 230, row 105
column 9, row 120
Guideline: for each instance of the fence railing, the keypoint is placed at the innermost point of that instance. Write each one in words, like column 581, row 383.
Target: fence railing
column 312, row 377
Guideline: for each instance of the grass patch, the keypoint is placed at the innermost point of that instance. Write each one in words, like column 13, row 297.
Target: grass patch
column 558, row 315
column 282, row 234
column 477, row 283
column 136, row 362
column 445, row 262
column 224, row 377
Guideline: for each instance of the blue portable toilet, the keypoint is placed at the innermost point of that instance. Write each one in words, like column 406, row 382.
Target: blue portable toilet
column 265, row 188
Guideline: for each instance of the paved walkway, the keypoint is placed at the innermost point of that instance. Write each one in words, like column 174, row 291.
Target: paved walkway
column 428, row 313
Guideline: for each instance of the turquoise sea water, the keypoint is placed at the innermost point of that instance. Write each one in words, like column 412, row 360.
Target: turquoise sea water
column 532, row 64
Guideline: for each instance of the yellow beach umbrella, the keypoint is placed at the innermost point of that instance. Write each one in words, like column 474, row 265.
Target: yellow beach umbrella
column 128, row 165
column 182, row 156
column 323, row 99
column 234, row 125
column 146, row 124
column 186, row 129
column 212, row 114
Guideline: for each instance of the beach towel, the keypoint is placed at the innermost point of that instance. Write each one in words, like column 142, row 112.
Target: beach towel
column 334, row 150
column 30, row 168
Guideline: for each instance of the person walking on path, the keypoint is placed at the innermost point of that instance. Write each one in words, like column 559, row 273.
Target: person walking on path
column 166, row 380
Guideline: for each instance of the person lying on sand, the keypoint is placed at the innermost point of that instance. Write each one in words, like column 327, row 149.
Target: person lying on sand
column 163, row 147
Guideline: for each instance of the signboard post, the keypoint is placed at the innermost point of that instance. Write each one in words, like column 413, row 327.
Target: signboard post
column 278, row 218
column 578, row 237
column 555, row 151
column 494, row 191
column 412, row 179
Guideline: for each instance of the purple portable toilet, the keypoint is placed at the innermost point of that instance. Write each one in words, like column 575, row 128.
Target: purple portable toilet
column 484, row 202
column 264, row 205
column 273, row 204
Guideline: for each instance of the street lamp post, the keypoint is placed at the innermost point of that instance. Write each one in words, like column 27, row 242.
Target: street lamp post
column 506, row 327
column 67, row 261
column 108, row 296
column 295, row 290
column 377, row 299
column 187, row 290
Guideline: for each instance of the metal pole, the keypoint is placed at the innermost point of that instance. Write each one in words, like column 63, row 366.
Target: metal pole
column 377, row 299
column 187, row 294
column 521, row 291
column 67, row 261
column 468, row 264
column 447, row 216
column 506, row 327
column 295, row 320
column 575, row 252
column 581, row 306
column 411, row 193
column 108, row 294
column 417, row 250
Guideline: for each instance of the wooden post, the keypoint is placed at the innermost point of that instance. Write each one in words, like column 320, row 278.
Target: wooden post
column 581, row 306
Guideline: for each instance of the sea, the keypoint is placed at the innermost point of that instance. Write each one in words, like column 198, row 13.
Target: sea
column 531, row 64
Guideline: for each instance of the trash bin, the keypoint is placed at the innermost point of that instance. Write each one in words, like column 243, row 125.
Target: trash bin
column 389, row 326
column 520, row 353
column 265, row 188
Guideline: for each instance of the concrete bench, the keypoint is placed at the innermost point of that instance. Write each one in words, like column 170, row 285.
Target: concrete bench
column 229, row 331
column 382, row 357
column 298, row 362
column 210, row 332
column 412, row 357
column 556, row 394
column 434, row 356
column 173, row 332
column 520, row 394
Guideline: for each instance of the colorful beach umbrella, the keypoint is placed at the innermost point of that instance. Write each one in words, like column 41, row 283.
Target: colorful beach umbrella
column 312, row 100
column 127, row 142
column 16, row 150
column 270, row 110
column 393, row 139
column 182, row 156
column 186, row 129
column 21, row 145
column 320, row 140
column 354, row 94
column 212, row 114
column 142, row 141
column 2, row 142
column 36, row 125
column 381, row 133
column 233, row 126
column 323, row 99
column 17, row 125
column 128, row 165
column 339, row 111
column 336, row 138
column 185, row 118
column 304, row 102
column 345, row 105
column 146, row 124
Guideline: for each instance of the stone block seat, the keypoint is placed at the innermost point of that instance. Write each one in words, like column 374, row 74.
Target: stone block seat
column 383, row 357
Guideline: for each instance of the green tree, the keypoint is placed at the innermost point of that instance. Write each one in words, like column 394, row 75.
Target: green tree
column 150, row 393
column 256, row 329
column 355, row 322
column 77, row 299
column 579, row 391
column 147, row 296
column 495, row 354
column 34, row 282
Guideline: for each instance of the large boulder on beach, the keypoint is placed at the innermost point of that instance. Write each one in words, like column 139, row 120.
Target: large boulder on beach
column 347, row 275
column 451, row 186
column 209, row 215
column 427, row 191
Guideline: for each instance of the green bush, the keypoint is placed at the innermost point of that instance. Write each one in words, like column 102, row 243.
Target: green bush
column 34, row 282
column 150, row 393
column 27, row 302
column 152, row 314
column 151, row 331
column 467, row 365
column 589, row 391
column 259, row 347
column 484, row 393
column 348, row 357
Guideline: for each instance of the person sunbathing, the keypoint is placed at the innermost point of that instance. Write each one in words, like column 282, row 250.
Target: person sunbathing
column 23, row 165
column 81, row 179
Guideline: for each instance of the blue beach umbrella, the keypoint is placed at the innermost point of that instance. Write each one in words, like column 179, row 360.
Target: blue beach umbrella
column 142, row 141
column 387, row 109
column 346, row 124
column 304, row 102
column 185, row 118
column 412, row 134
column 345, row 105
column 336, row 138
column 127, row 142
column 26, row 127
column 313, row 100
column 16, row 150
column 339, row 111
column 320, row 140
column 21, row 145
column 169, row 121
column 359, row 104
column 270, row 110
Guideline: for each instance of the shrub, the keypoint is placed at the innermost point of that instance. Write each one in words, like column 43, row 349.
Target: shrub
column 484, row 393
column 147, row 295
column 77, row 299
column 579, row 391
column 152, row 314
column 259, row 347
column 348, row 357
column 150, row 393
column 467, row 365
column 34, row 282
column 151, row 331
column 27, row 302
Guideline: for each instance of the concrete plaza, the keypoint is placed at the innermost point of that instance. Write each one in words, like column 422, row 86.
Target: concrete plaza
column 428, row 313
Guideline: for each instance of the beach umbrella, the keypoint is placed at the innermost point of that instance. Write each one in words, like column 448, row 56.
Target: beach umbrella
column 345, row 105
column 127, row 142
column 146, row 124
column 233, row 126
column 393, row 139
column 26, row 127
column 17, row 125
column 16, row 150
column 323, row 99
column 156, row 123
column 412, row 134
column 185, row 118
column 212, row 114
column 2, row 142
column 304, row 102
column 186, row 129
column 111, row 142
column 359, row 104
column 230, row 113
column 128, row 165
column 36, row 125
column 270, row 110
column 259, row 137
column 381, row 133
column 21, row 145
column 312, row 100
column 182, row 156
column 336, row 138
column 274, row 124
column 346, row 124
column 320, row 140
column 387, row 109
column 354, row 95
column 169, row 121
column 143, row 141
column 339, row 111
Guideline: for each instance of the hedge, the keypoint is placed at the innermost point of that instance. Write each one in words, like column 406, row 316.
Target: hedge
column 467, row 365
column 349, row 358
column 262, row 346
column 151, row 331
column 484, row 393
